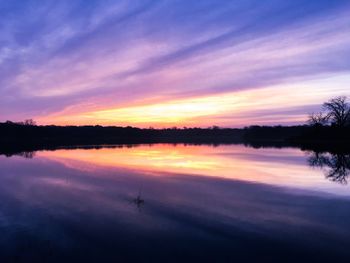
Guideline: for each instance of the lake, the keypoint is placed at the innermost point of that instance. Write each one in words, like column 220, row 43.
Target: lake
column 175, row 203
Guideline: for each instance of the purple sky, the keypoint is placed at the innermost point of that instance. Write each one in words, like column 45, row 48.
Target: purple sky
column 166, row 63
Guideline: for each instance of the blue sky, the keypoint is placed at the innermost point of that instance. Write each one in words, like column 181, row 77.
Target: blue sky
column 166, row 63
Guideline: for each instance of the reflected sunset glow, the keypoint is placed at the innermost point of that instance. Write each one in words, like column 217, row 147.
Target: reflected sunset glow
column 231, row 162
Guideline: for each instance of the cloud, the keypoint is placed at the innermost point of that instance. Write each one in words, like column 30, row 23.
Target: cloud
column 61, row 55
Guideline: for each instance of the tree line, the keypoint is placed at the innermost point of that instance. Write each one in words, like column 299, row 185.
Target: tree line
column 330, row 125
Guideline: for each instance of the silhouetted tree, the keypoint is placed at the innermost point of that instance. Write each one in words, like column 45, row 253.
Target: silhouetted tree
column 337, row 111
column 317, row 119
column 29, row 122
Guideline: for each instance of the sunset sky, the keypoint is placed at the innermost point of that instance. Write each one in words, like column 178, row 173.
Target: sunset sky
column 172, row 63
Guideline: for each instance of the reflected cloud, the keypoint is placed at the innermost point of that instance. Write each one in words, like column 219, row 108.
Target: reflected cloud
column 286, row 166
column 85, row 202
column 86, row 214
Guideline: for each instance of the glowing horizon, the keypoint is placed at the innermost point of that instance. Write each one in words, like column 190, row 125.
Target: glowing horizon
column 238, row 107
column 163, row 64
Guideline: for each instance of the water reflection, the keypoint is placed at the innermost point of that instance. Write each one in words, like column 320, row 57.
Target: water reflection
column 335, row 165
column 139, row 201
column 286, row 167
column 198, row 203
column 25, row 154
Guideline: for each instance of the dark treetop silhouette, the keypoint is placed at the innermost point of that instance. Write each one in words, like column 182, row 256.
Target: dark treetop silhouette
column 329, row 128
column 336, row 112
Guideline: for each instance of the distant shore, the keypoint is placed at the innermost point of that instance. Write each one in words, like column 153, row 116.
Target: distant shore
column 16, row 138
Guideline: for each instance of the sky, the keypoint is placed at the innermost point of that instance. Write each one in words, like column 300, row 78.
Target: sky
column 165, row 63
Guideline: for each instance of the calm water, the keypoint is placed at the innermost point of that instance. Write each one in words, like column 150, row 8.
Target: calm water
column 175, row 203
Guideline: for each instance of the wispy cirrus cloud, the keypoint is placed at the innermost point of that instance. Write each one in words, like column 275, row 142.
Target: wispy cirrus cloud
column 59, row 57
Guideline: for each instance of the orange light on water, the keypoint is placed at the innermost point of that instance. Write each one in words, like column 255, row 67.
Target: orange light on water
column 230, row 162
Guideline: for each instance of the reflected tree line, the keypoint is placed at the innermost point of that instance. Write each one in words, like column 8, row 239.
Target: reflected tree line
column 27, row 155
column 336, row 166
